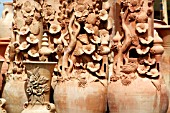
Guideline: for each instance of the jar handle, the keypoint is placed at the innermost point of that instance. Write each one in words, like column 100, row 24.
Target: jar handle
column 4, row 13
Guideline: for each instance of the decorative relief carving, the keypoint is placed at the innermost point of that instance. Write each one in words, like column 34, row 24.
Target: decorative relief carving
column 84, row 36
column 78, row 37
column 36, row 87
column 134, row 45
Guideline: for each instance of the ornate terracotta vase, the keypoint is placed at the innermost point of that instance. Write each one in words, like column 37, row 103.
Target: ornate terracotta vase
column 69, row 97
column 136, row 81
column 37, row 87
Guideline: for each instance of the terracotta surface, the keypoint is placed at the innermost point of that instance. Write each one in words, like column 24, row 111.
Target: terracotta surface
column 6, row 20
column 93, row 53
column 5, row 34
column 69, row 98
column 2, row 100
column 136, row 80
column 15, row 96
column 134, row 98
column 164, row 32
column 38, row 87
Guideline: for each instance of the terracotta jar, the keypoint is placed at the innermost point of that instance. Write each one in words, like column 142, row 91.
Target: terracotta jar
column 141, row 96
column 13, row 91
column 70, row 98
column 6, row 21
column 164, row 32
column 15, row 96
column 37, row 87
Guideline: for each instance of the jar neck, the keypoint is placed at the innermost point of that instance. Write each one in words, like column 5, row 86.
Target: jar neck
column 9, row 6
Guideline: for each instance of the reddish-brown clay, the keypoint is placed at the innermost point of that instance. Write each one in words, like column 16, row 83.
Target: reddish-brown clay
column 164, row 32
column 37, row 87
column 70, row 98
column 99, row 51
column 15, row 96
column 136, row 81
column 135, row 98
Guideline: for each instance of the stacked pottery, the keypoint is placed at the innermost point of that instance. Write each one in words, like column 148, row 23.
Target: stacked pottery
column 38, row 85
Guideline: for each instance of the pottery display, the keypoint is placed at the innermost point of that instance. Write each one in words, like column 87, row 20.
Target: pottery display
column 84, row 56
column 136, row 80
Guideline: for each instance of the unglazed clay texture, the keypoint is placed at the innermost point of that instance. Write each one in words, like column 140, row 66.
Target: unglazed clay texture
column 134, row 46
column 137, row 55
column 91, row 52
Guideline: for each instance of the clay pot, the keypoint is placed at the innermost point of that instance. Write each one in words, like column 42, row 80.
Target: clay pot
column 38, row 86
column 141, row 96
column 164, row 32
column 69, row 98
column 15, row 96
column 5, row 33
column 6, row 21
